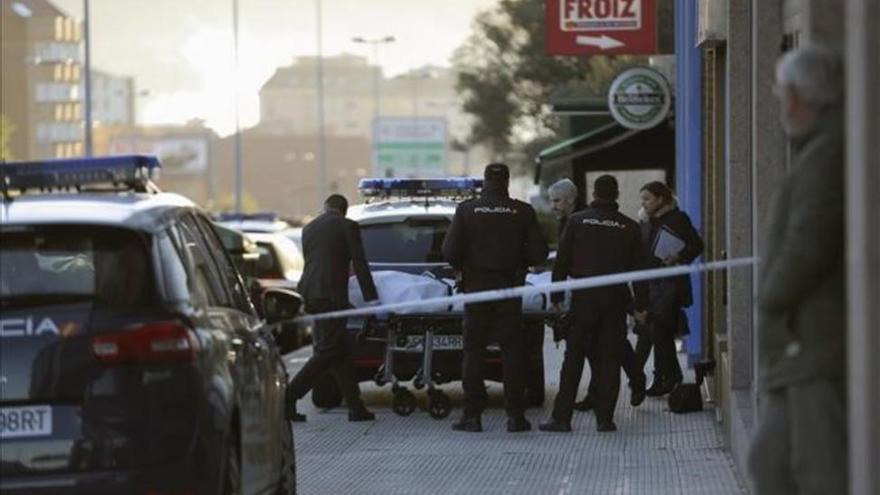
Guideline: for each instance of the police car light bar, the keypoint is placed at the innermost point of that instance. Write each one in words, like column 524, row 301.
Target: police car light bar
column 134, row 171
column 452, row 187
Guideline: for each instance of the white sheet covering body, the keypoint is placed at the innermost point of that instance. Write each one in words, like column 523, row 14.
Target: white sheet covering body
column 394, row 286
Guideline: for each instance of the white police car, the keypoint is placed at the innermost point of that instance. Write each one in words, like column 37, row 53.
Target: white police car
column 131, row 357
column 403, row 224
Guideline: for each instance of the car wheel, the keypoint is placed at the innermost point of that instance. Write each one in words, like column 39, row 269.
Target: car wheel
column 325, row 392
column 232, row 471
column 287, row 483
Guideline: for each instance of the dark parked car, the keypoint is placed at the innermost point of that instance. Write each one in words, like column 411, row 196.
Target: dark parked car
column 132, row 358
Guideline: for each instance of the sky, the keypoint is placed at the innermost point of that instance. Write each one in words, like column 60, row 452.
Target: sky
column 181, row 51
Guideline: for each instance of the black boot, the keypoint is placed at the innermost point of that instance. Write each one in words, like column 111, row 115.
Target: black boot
column 471, row 424
column 605, row 426
column 517, row 424
column 657, row 387
column 361, row 415
column 290, row 406
column 291, row 413
column 585, row 405
column 554, row 425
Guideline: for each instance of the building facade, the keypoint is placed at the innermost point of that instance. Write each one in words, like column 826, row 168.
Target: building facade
column 40, row 90
column 733, row 152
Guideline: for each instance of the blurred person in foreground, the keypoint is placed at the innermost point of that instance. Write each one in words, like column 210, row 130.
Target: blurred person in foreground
column 492, row 242
column 800, row 446
column 671, row 240
column 331, row 245
column 596, row 241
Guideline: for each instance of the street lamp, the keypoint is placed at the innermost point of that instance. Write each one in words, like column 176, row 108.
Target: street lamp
column 375, row 42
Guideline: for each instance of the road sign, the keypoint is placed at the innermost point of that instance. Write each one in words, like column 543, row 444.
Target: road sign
column 409, row 146
column 639, row 98
column 590, row 27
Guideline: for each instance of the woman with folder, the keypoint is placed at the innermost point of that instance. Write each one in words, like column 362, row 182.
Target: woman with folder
column 670, row 239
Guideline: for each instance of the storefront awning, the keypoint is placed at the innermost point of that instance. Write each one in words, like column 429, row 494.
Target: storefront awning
column 564, row 152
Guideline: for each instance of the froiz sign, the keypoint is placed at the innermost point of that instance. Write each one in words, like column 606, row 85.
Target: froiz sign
column 587, row 27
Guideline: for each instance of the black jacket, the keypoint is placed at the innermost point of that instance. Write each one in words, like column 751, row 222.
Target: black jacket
column 564, row 220
column 599, row 241
column 679, row 223
column 493, row 240
column 331, row 246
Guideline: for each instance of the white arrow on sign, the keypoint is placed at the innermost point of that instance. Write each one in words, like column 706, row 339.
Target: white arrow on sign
column 603, row 42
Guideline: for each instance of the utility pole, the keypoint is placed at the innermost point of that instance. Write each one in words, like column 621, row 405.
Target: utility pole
column 89, row 144
column 322, row 141
column 237, row 145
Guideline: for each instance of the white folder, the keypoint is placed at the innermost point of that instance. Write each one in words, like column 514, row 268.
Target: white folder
column 667, row 244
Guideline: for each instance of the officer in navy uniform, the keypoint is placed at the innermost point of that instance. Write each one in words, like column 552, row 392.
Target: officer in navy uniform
column 492, row 242
column 597, row 241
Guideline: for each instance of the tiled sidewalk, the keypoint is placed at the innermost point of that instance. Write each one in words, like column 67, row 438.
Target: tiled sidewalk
column 654, row 451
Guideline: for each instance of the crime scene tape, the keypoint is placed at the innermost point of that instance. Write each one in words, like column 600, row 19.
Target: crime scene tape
column 525, row 290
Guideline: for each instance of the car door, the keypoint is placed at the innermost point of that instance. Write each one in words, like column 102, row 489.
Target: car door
column 269, row 368
column 243, row 354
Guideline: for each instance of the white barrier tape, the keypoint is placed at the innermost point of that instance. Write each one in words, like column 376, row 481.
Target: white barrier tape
column 512, row 292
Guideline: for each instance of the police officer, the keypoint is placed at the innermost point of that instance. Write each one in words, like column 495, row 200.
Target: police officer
column 597, row 241
column 332, row 244
column 564, row 200
column 492, row 241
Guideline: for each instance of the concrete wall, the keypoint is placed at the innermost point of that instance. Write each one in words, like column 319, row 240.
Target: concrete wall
column 863, row 227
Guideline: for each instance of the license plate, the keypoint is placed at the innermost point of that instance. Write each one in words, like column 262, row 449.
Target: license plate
column 25, row 421
column 441, row 342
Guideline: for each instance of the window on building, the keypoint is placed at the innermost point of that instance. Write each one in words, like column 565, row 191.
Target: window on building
column 75, row 72
column 59, row 112
column 59, row 151
column 59, row 28
column 58, row 72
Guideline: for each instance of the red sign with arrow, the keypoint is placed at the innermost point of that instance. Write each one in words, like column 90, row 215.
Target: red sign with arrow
column 591, row 27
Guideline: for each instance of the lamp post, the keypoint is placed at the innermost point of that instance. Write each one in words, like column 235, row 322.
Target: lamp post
column 237, row 145
column 375, row 42
column 89, row 145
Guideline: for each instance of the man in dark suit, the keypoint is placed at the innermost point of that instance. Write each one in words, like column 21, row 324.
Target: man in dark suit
column 492, row 241
column 331, row 245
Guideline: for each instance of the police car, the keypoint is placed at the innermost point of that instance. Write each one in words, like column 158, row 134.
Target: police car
column 131, row 357
column 403, row 224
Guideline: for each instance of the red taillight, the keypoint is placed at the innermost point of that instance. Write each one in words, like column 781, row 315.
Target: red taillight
column 161, row 342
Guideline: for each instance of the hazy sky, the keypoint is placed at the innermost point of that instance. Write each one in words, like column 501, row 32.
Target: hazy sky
column 181, row 50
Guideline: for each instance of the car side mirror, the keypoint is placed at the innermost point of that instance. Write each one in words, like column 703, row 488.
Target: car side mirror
column 281, row 305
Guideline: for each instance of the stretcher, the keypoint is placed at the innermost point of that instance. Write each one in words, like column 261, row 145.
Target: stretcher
column 425, row 334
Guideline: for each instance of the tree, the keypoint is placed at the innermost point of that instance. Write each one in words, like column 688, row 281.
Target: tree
column 506, row 78
column 6, row 130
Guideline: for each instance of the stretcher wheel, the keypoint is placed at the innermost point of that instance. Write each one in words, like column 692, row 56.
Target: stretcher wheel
column 418, row 383
column 439, row 405
column 404, row 402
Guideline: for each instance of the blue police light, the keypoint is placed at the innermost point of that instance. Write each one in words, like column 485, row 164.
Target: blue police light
column 450, row 187
column 261, row 216
column 131, row 170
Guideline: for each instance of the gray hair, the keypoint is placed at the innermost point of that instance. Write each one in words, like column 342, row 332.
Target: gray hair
column 563, row 187
column 815, row 73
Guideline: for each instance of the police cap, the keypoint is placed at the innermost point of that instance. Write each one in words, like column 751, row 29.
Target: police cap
column 496, row 172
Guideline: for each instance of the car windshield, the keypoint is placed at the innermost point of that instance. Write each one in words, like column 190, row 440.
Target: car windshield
column 56, row 264
column 410, row 241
